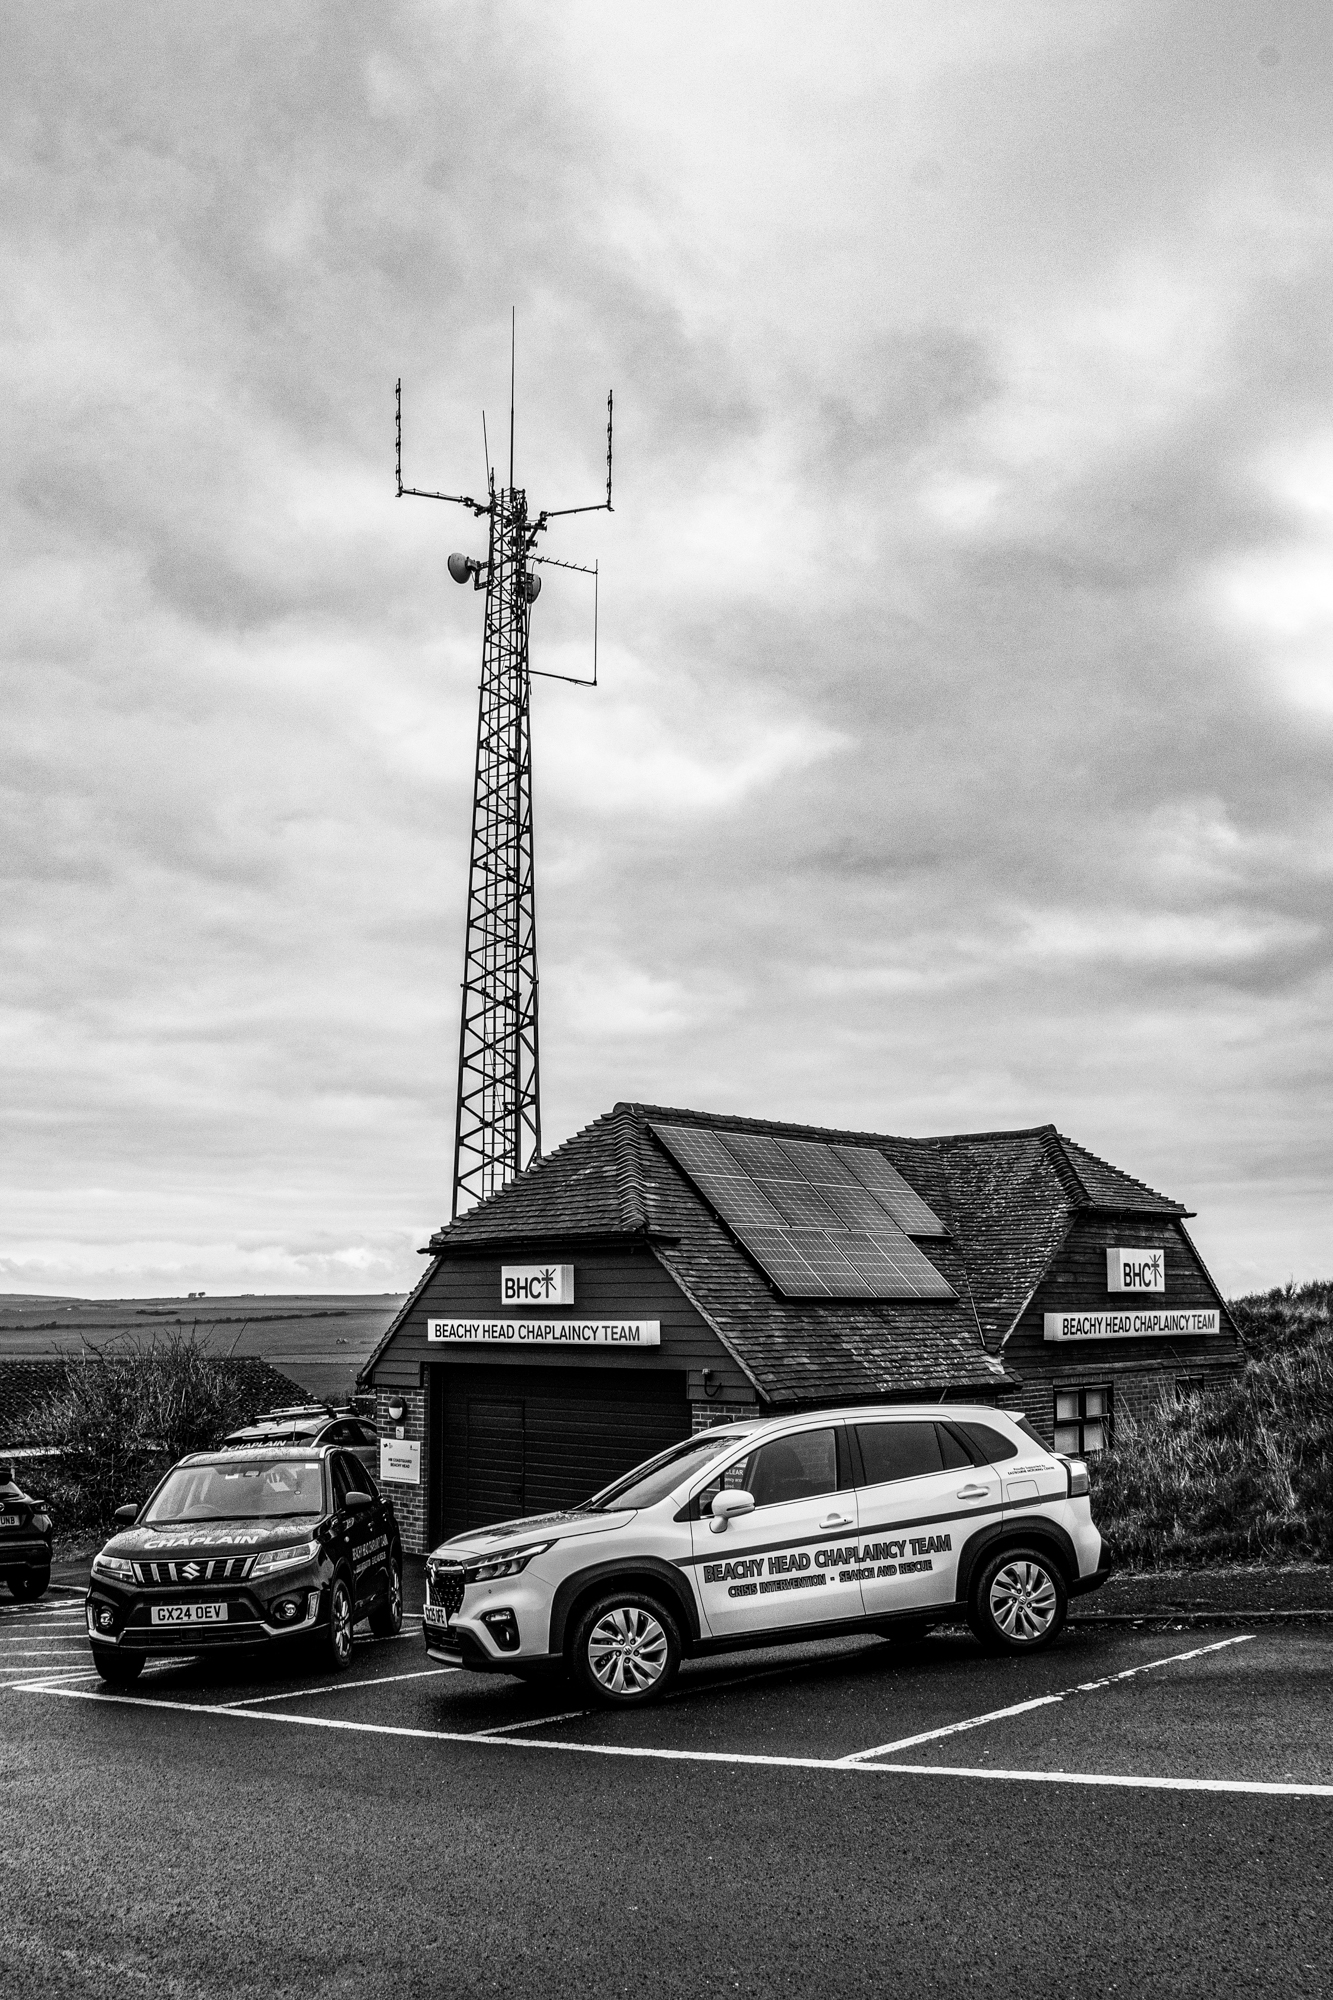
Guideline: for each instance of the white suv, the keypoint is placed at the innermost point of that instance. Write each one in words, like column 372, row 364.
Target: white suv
column 882, row 1519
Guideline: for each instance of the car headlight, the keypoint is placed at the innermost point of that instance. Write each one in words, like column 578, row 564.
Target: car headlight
column 287, row 1558
column 506, row 1565
column 115, row 1568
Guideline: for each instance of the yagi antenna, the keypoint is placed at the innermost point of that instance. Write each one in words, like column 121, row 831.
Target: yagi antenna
column 497, row 1130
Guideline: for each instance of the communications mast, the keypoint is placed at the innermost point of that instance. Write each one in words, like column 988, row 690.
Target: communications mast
column 497, row 1129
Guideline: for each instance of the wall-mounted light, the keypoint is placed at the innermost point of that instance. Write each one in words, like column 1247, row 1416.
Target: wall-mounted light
column 397, row 1409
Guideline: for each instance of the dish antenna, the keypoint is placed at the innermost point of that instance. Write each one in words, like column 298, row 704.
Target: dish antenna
column 497, row 1131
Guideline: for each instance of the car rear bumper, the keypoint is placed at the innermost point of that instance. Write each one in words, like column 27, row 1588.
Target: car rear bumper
column 30, row 1554
column 1083, row 1584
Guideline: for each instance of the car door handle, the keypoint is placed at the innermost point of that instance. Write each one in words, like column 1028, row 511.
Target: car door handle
column 836, row 1521
column 975, row 1492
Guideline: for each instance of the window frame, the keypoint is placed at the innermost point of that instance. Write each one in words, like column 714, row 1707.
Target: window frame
column 1105, row 1417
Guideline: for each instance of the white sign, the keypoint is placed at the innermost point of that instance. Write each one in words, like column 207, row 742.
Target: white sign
column 536, row 1284
column 1136, row 1270
column 1144, row 1325
column 400, row 1462
column 549, row 1332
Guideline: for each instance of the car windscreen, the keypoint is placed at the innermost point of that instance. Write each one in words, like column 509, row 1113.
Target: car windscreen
column 656, row 1477
column 265, row 1489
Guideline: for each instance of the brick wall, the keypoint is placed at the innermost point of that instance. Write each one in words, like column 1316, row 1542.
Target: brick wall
column 1134, row 1391
column 707, row 1416
column 409, row 1502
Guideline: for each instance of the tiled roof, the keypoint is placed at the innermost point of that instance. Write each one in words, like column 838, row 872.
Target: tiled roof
column 1008, row 1199
column 1107, row 1187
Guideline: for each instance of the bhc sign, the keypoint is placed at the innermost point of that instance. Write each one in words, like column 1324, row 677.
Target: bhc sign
column 1135, row 1271
column 536, row 1284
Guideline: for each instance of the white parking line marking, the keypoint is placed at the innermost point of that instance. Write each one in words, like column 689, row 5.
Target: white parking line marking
column 43, row 1652
column 1041, row 1701
column 840, row 1766
column 53, row 1674
column 533, row 1722
column 341, row 1687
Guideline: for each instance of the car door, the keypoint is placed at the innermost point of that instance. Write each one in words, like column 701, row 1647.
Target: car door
column 357, row 1528
column 921, row 1496
column 792, row 1562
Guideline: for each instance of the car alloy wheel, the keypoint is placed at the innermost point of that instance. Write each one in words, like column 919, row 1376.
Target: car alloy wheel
column 626, row 1650
column 1018, row 1602
column 340, row 1624
column 1023, row 1601
column 386, row 1620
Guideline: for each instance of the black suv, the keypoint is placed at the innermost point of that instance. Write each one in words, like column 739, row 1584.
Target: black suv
column 25, row 1538
column 278, row 1546
column 314, row 1423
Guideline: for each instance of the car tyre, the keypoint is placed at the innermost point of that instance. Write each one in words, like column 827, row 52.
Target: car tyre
column 386, row 1620
column 1018, row 1601
column 332, row 1645
column 117, row 1669
column 626, row 1649
column 35, row 1584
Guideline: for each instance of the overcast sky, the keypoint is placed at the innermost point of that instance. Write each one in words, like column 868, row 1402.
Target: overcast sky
column 962, row 755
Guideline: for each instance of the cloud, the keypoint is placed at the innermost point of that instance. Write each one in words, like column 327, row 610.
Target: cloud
column 960, row 753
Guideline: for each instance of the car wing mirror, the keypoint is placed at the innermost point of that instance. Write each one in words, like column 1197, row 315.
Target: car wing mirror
column 127, row 1515
column 727, row 1504
column 357, row 1503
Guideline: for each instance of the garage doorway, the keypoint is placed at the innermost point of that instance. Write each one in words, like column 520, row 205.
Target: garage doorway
column 534, row 1440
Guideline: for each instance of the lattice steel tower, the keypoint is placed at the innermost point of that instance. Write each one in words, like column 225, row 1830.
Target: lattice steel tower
column 497, row 1128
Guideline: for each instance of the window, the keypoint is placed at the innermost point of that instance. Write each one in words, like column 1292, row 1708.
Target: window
column 359, row 1478
column 1083, row 1419
column 342, row 1483
column 904, row 1450
column 992, row 1446
column 792, row 1468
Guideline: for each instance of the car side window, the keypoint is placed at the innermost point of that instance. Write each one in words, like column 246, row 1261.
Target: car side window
column 342, row 1433
column 342, row 1482
column 992, row 1446
column 792, row 1468
column 952, row 1449
column 360, row 1478
column 901, row 1450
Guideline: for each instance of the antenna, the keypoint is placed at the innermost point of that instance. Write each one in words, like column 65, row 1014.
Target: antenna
column 497, row 1131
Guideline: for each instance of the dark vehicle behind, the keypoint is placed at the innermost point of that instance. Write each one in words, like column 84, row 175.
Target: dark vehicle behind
column 314, row 1423
column 25, row 1538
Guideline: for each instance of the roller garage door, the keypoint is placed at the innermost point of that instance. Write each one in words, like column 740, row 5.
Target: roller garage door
column 531, row 1440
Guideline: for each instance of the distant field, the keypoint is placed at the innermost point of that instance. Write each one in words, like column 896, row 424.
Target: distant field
column 319, row 1339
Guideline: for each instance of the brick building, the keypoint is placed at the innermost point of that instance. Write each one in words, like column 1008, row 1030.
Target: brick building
column 666, row 1269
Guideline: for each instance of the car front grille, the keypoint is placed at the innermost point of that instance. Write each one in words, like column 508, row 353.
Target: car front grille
column 217, row 1569
column 444, row 1587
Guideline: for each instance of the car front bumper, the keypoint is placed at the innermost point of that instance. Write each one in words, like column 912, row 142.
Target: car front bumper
column 249, row 1617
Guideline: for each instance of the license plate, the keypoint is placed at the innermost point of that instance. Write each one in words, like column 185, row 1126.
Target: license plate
column 189, row 1614
column 11, row 1520
column 434, row 1614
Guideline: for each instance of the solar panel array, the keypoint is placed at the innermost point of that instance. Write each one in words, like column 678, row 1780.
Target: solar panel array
column 824, row 1221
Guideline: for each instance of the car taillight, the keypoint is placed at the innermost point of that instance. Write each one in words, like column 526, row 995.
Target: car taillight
column 1078, row 1477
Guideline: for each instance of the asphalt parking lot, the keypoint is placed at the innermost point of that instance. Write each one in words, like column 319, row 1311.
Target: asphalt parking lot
column 1134, row 1810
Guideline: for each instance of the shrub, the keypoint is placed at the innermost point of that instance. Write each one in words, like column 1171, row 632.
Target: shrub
column 1239, row 1472
column 124, row 1415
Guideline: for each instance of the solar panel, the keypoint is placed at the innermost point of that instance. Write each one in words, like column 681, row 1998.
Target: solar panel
column 822, row 1221
column 888, row 1187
